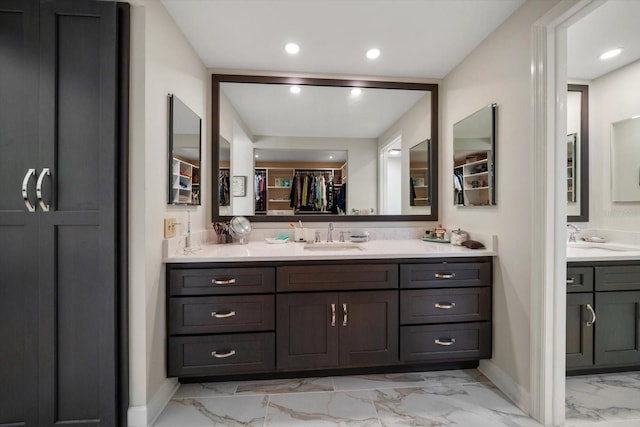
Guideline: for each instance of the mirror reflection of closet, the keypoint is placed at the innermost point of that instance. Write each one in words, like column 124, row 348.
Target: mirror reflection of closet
column 578, row 153
column 571, row 167
column 419, row 174
column 224, row 178
column 474, row 144
column 184, row 154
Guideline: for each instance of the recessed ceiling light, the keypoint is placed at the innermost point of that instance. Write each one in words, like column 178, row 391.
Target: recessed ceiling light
column 292, row 48
column 356, row 91
column 635, row 117
column 295, row 89
column 257, row 156
column 373, row 53
column 394, row 152
column 331, row 157
column 611, row 53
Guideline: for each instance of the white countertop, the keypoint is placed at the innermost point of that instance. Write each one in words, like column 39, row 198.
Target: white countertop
column 377, row 249
column 618, row 252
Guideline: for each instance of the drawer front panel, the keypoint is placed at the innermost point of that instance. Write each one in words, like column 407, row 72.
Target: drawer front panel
column 579, row 279
column 203, row 315
column 445, row 342
column 337, row 277
column 220, row 354
column 220, row 281
column 439, row 275
column 618, row 278
column 445, row 305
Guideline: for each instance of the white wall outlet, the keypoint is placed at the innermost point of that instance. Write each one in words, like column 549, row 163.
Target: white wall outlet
column 169, row 228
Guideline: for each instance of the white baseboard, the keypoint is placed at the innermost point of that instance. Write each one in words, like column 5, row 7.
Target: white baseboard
column 518, row 395
column 146, row 415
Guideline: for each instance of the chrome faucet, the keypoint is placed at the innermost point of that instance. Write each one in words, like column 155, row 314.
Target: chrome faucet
column 572, row 234
column 329, row 236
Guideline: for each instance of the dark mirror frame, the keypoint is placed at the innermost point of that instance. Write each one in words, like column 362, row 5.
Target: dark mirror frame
column 303, row 81
column 584, row 154
column 170, row 99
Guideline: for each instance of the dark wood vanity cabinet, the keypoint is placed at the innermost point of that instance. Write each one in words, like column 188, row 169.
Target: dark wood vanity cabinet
column 272, row 317
column 603, row 316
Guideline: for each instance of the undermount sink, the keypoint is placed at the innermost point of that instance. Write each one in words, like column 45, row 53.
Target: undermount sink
column 334, row 246
column 603, row 246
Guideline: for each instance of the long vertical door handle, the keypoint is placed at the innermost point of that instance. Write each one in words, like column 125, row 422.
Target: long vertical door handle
column 333, row 315
column 593, row 315
column 43, row 204
column 25, row 193
column 344, row 318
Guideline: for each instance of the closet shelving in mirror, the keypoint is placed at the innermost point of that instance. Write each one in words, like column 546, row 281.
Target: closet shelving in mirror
column 185, row 182
column 474, row 173
column 419, row 184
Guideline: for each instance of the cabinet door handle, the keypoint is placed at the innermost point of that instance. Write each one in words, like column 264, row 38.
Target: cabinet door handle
column 25, row 194
column 344, row 318
column 570, row 281
column 333, row 315
column 43, row 205
column 451, row 341
column 223, row 355
column 223, row 281
column 593, row 315
column 445, row 305
column 445, row 275
column 223, row 315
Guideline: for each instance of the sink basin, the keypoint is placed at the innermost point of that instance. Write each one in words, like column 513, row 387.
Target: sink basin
column 602, row 246
column 334, row 246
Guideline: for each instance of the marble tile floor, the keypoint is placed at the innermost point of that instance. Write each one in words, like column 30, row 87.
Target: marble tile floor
column 444, row 398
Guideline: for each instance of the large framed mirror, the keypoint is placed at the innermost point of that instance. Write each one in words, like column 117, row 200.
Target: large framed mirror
column 315, row 149
column 577, row 153
column 184, row 153
column 474, row 148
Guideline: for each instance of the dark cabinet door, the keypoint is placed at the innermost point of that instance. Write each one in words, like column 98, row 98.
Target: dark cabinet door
column 368, row 323
column 18, row 225
column 580, row 330
column 307, row 330
column 617, row 328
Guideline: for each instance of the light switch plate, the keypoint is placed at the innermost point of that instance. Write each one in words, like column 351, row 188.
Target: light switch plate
column 169, row 228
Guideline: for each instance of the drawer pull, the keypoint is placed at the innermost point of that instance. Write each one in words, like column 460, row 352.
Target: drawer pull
column 451, row 341
column 445, row 275
column 333, row 315
column 445, row 305
column 570, row 281
column 223, row 355
column 223, row 281
column 223, row 315
column 593, row 315
column 344, row 319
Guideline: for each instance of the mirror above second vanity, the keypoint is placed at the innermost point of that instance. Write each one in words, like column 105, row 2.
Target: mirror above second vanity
column 320, row 149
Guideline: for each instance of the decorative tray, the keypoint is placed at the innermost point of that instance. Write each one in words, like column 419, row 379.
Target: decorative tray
column 429, row 239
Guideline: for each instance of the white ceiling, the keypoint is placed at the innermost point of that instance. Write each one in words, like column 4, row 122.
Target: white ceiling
column 614, row 24
column 418, row 38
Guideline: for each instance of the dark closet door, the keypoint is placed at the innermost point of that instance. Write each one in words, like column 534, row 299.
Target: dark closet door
column 78, row 260
column 18, row 226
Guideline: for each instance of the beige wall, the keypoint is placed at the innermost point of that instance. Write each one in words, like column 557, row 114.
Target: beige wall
column 162, row 63
column 499, row 71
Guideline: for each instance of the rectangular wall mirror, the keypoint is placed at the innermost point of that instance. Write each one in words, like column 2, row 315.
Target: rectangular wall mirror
column 184, row 154
column 625, row 160
column 474, row 145
column 577, row 153
column 327, row 136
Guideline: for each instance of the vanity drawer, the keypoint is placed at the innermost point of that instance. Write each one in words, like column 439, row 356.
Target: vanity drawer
column 618, row 278
column 445, row 274
column 221, row 354
column 337, row 277
column 579, row 279
column 445, row 305
column 445, row 342
column 220, row 281
column 204, row 315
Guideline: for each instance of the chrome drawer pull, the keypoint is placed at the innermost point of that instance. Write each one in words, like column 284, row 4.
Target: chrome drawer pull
column 25, row 194
column 43, row 205
column 223, row 355
column 333, row 315
column 223, row 281
column 223, row 315
column 570, row 281
column 344, row 319
column 445, row 275
column 445, row 305
column 451, row 341
column 593, row 315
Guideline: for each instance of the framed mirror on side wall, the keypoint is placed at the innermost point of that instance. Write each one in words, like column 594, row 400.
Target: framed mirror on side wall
column 474, row 148
column 577, row 153
column 330, row 139
column 184, row 154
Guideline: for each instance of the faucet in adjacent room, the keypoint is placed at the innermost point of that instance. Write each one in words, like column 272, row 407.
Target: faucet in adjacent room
column 572, row 234
column 329, row 231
